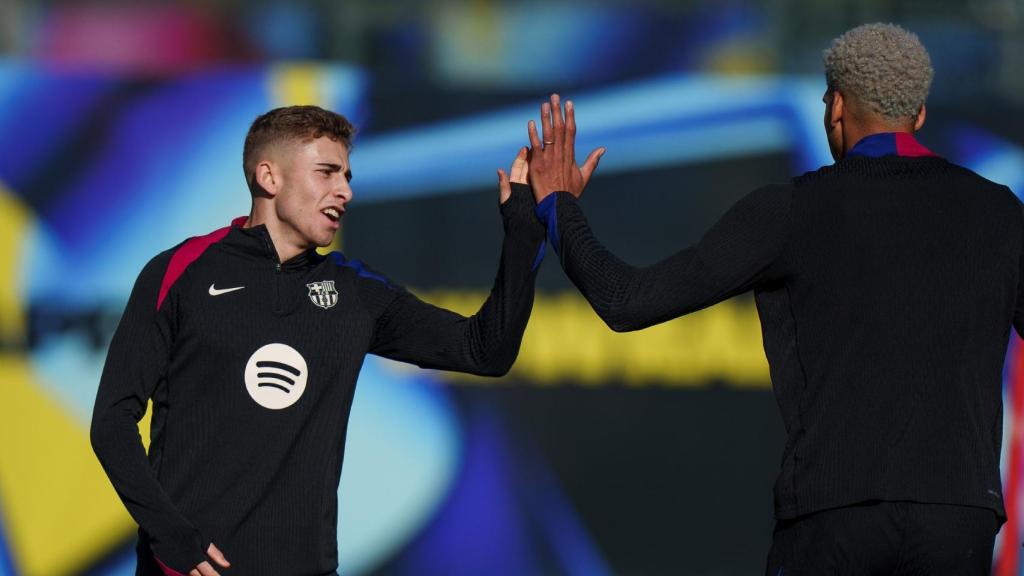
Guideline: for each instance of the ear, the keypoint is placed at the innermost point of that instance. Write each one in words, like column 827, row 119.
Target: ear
column 919, row 121
column 838, row 108
column 267, row 177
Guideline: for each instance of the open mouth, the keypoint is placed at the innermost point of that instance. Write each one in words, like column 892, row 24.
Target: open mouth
column 333, row 214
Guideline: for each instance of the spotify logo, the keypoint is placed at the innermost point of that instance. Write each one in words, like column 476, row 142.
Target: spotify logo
column 276, row 376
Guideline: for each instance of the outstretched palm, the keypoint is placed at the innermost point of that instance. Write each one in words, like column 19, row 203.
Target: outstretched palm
column 552, row 161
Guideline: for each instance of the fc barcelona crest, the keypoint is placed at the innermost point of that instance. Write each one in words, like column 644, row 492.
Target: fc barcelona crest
column 323, row 293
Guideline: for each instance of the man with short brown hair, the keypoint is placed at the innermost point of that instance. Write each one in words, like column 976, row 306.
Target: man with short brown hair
column 249, row 343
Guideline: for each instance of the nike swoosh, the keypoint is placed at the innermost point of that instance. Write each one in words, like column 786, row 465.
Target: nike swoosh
column 216, row 292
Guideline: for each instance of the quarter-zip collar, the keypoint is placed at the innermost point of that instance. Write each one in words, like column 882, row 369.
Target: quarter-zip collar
column 880, row 144
column 255, row 242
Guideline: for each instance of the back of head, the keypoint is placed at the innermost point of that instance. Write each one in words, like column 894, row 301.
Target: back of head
column 292, row 124
column 883, row 67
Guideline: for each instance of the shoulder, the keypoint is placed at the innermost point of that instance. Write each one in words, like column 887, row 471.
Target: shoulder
column 167, row 267
column 813, row 176
column 999, row 196
column 375, row 291
column 775, row 191
column 361, row 270
column 770, row 199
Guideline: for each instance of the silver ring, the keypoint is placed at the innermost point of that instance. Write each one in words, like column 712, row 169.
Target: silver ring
column 546, row 142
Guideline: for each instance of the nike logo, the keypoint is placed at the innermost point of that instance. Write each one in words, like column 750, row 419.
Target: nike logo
column 216, row 292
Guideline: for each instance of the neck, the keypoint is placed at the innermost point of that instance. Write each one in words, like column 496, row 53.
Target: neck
column 286, row 243
column 855, row 132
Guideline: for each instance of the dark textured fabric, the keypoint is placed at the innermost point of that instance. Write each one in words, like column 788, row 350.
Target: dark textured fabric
column 261, row 482
column 886, row 289
column 886, row 539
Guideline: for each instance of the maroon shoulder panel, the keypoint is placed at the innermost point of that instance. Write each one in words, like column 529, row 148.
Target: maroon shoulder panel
column 188, row 253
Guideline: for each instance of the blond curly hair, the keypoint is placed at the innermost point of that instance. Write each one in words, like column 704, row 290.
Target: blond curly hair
column 883, row 66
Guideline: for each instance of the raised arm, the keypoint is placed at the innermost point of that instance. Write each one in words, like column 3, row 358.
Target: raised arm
column 136, row 364
column 487, row 342
column 733, row 256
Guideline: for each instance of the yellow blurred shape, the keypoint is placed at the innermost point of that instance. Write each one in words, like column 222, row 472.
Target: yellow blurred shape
column 147, row 418
column 295, row 84
column 60, row 511
column 741, row 57
column 567, row 342
column 14, row 223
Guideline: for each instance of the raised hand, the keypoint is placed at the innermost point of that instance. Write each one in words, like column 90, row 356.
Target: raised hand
column 519, row 171
column 552, row 161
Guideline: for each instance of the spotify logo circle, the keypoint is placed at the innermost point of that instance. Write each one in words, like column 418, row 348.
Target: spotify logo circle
column 276, row 376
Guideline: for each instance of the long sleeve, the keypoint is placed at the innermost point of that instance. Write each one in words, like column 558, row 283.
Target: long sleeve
column 136, row 364
column 1018, row 314
column 733, row 256
column 486, row 343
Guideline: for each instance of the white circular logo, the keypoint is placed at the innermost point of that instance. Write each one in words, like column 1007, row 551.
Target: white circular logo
column 276, row 376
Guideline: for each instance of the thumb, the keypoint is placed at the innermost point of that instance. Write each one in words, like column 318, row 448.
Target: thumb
column 504, row 188
column 591, row 164
column 217, row 555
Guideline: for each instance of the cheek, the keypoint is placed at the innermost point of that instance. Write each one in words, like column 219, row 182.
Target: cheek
column 295, row 209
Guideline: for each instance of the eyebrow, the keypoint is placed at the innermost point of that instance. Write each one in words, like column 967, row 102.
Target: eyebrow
column 336, row 168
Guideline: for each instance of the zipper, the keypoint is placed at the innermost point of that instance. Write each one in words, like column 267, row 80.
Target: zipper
column 277, row 272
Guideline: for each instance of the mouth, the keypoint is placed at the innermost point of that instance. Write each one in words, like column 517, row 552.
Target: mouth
column 333, row 214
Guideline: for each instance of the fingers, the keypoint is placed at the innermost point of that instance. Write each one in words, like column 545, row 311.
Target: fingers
column 204, row 569
column 557, row 123
column 569, row 144
column 531, row 129
column 591, row 164
column 504, row 188
column 218, row 556
column 547, row 129
column 520, row 167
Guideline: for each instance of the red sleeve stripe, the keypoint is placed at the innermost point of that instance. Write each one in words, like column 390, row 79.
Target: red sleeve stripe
column 188, row 253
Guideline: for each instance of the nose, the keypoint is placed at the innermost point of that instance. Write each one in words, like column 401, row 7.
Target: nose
column 344, row 191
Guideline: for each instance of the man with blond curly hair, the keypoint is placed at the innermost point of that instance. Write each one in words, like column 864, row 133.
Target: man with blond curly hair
column 886, row 283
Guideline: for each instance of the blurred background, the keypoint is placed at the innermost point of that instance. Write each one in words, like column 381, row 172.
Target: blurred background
column 121, row 129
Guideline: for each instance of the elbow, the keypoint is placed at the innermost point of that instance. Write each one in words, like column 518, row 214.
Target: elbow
column 496, row 369
column 497, row 365
column 100, row 435
column 620, row 325
column 619, row 319
column 96, row 436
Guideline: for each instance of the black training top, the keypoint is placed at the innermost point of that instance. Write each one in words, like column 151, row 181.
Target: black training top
column 886, row 287
column 251, row 365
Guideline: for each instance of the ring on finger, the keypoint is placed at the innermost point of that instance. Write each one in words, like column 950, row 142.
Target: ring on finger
column 546, row 142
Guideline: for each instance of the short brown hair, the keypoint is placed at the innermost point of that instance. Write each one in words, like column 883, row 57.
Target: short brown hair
column 301, row 123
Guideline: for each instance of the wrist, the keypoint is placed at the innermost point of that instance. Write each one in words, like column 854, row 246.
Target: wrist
column 520, row 203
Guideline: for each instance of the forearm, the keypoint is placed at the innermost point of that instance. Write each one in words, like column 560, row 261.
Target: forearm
column 487, row 342
column 116, row 442
column 134, row 368
column 495, row 332
column 735, row 255
column 611, row 286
